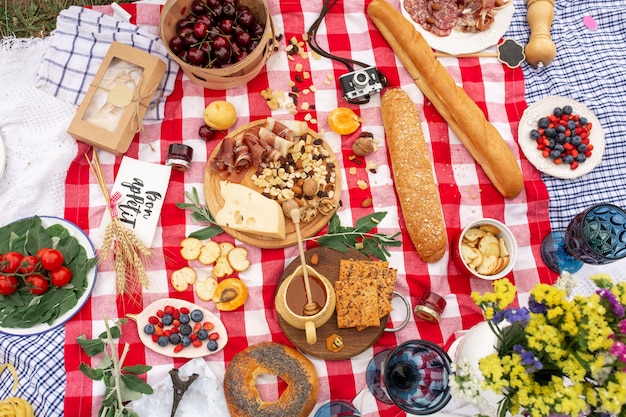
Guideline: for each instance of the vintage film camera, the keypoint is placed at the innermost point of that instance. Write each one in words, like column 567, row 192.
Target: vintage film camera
column 358, row 85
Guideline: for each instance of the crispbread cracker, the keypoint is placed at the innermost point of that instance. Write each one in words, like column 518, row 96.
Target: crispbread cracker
column 356, row 303
column 385, row 278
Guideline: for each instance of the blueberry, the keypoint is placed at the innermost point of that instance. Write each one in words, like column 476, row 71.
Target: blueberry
column 212, row 345
column 581, row 157
column 582, row 148
column 560, row 129
column 202, row 334
column 568, row 109
column 543, row 123
column 575, row 140
column 560, row 138
column 534, row 134
column 559, row 147
column 184, row 318
column 555, row 154
column 568, row 159
column 558, row 112
column 174, row 338
column 185, row 340
column 583, row 121
column 571, row 125
column 148, row 328
column 167, row 319
column 163, row 341
column 550, row 132
column 196, row 315
column 185, row 329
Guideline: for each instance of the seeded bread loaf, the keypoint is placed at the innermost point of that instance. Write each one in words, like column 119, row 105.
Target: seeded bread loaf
column 466, row 119
column 413, row 175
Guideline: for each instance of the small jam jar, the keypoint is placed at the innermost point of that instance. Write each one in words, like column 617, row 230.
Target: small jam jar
column 179, row 156
column 430, row 306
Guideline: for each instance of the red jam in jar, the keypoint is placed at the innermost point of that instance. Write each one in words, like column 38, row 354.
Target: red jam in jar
column 179, row 156
column 430, row 306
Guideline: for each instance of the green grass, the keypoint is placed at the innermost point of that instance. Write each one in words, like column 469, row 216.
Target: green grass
column 37, row 18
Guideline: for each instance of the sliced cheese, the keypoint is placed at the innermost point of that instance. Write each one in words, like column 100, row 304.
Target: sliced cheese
column 249, row 211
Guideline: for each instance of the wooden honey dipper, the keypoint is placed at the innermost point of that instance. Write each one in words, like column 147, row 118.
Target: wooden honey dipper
column 311, row 307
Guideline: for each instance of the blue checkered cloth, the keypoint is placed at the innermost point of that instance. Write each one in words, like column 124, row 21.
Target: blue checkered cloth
column 38, row 360
column 589, row 67
column 79, row 43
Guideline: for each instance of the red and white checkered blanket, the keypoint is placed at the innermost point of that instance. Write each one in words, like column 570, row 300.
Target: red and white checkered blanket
column 465, row 191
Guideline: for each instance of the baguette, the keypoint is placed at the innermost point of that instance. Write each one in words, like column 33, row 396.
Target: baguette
column 465, row 118
column 413, row 175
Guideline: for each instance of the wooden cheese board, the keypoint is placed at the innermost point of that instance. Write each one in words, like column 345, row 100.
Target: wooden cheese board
column 354, row 341
column 215, row 201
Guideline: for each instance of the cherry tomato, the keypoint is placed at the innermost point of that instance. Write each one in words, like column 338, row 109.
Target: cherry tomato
column 8, row 284
column 61, row 276
column 12, row 261
column 29, row 264
column 37, row 284
column 51, row 259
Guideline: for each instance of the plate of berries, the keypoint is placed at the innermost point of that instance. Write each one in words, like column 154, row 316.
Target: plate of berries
column 180, row 329
column 561, row 137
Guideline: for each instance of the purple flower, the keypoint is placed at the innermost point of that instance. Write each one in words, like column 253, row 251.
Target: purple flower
column 513, row 316
column 614, row 303
column 619, row 349
column 529, row 360
column 537, row 307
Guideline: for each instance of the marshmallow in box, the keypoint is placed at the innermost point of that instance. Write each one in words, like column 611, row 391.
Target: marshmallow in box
column 111, row 113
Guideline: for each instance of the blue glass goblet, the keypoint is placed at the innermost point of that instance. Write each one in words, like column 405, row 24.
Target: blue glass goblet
column 413, row 376
column 595, row 236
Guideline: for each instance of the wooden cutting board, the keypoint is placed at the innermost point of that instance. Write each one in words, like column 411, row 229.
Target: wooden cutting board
column 215, row 201
column 354, row 341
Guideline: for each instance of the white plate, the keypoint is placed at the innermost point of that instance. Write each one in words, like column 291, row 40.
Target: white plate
column 459, row 43
column 188, row 351
column 3, row 157
column 543, row 108
column 84, row 241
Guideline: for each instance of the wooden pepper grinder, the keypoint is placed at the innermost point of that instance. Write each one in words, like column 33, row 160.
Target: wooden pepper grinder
column 540, row 50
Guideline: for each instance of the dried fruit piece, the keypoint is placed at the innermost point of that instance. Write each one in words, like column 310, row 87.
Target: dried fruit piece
column 230, row 294
column 343, row 121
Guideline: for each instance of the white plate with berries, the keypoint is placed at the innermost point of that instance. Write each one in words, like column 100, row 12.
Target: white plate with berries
column 561, row 137
column 180, row 329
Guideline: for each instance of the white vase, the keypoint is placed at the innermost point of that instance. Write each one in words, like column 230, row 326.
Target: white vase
column 477, row 343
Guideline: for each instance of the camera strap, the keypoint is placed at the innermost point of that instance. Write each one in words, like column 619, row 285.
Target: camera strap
column 349, row 63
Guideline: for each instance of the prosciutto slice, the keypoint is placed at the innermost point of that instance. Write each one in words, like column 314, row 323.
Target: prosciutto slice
column 282, row 145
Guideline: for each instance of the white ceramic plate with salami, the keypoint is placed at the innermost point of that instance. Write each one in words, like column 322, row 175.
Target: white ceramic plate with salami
column 543, row 108
column 460, row 43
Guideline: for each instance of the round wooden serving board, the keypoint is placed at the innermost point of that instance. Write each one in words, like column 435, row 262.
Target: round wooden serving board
column 215, row 201
column 354, row 341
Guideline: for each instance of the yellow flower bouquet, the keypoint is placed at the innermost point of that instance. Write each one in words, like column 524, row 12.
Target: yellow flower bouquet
column 559, row 356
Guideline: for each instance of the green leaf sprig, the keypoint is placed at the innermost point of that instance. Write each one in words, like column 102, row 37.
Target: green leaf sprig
column 201, row 214
column 341, row 238
column 121, row 382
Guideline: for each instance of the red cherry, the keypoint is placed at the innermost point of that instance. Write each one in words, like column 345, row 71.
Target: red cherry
column 176, row 44
column 196, row 56
column 200, row 29
column 206, row 133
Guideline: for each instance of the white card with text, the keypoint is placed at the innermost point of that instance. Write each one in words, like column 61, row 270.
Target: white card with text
column 137, row 197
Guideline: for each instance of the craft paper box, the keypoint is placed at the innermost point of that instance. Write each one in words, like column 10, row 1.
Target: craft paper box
column 112, row 111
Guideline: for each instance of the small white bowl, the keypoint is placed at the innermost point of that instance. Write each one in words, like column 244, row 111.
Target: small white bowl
column 504, row 234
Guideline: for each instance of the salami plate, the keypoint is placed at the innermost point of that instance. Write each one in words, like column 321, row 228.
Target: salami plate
column 459, row 43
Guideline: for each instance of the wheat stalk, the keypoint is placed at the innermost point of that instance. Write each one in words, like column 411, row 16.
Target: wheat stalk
column 120, row 242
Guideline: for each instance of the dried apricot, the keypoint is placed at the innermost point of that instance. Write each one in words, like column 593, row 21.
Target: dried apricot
column 343, row 120
column 230, row 294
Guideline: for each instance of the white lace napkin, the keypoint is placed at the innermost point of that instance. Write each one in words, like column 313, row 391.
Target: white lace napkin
column 80, row 42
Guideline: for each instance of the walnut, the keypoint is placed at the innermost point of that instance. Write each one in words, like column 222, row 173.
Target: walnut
column 326, row 206
column 308, row 213
column 310, row 187
column 364, row 145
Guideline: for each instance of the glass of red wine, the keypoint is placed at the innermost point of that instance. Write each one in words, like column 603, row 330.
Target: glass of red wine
column 596, row 236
